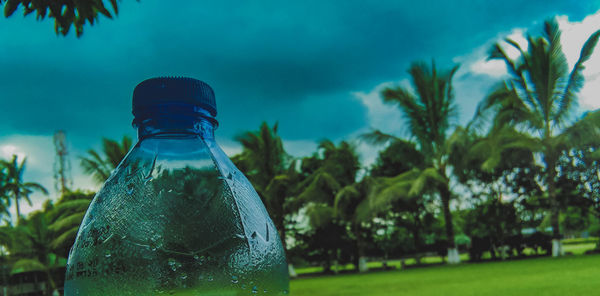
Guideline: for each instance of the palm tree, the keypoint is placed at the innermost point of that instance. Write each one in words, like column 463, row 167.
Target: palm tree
column 4, row 197
column 394, row 176
column 14, row 184
column 487, row 163
column 100, row 167
column 429, row 112
column 327, row 171
column 324, row 174
column 352, row 206
column 265, row 162
column 32, row 248
column 272, row 173
column 539, row 98
column 263, row 156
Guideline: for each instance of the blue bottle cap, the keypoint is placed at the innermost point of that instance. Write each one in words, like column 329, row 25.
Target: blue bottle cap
column 154, row 92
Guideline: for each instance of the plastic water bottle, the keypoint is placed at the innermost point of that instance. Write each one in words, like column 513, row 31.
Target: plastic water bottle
column 176, row 217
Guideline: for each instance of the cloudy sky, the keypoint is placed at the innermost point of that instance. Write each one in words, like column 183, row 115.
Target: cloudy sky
column 316, row 67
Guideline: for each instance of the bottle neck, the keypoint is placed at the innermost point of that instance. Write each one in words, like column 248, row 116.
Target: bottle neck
column 175, row 121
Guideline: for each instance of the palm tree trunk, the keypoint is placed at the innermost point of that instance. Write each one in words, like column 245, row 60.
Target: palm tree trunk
column 17, row 207
column 453, row 257
column 360, row 261
column 416, row 229
column 278, row 216
column 51, row 285
column 51, row 281
column 329, row 261
column 281, row 231
column 280, row 225
column 554, row 207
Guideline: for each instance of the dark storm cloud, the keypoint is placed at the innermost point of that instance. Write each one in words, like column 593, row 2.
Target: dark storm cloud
column 295, row 63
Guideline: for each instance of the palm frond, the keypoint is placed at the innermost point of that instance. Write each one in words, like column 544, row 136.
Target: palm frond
column 377, row 137
column 364, row 213
column 568, row 97
column 65, row 239
column 6, row 235
column 427, row 180
column 321, row 188
column 64, row 209
column 35, row 186
column 326, row 145
column 95, row 166
column 344, row 198
column 263, row 156
column 67, row 222
column 72, row 205
column 387, row 190
column 516, row 70
column 115, row 151
column 27, row 265
column 489, row 149
column 319, row 214
column 414, row 114
column 498, row 53
column 459, row 139
column 583, row 132
column 100, row 168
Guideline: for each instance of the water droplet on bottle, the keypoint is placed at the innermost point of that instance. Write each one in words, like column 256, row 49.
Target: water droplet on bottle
column 183, row 276
column 209, row 278
column 107, row 254
column 267, row 236
column 254, row 289
column 234, row 279
column 148, row 176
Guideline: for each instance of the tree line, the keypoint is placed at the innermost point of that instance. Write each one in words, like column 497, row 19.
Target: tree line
column 524, row 172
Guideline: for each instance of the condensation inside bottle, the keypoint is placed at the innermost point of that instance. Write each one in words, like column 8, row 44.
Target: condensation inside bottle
column 177, row 218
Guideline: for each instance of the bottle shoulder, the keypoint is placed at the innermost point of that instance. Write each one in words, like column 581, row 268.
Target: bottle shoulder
column 180, row 179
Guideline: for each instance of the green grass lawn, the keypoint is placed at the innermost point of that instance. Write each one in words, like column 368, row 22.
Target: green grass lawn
column 570, row 275
column 570, row 249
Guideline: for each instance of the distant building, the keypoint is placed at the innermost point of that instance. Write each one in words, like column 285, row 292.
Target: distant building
column 30, row 283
